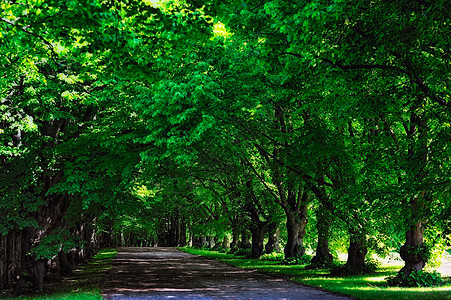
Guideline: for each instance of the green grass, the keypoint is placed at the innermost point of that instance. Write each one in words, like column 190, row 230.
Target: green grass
column 83, row 285
column 362, row 286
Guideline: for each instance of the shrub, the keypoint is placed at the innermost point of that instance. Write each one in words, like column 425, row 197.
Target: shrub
column 326, row 264
column 346, row 270
column 274, row 256
column 244, row 252
column 298, row 259
column 416, row 279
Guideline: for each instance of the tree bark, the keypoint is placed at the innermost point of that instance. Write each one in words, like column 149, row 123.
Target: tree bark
column 323, row 258
column 3, row 260
column 65, row 265
column 356, row 253
column 182, row 233
column 273, row 238
column 234, row 245
column 197, row 242
column 32, row 270
column 226, row 242
column 218, row 244
column 258, row 235
column 296, row 223
column 413, row 252
column 245, row 239
column 14, row 258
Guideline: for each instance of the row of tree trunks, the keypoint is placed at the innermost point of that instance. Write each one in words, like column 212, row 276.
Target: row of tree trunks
column 19, row 269
column 172, row 231
column 243, row 239
column 133, row 239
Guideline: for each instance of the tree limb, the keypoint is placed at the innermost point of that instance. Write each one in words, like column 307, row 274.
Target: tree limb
column 24, row 29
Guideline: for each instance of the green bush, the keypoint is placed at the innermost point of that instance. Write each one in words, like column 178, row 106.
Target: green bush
column 244, row 252
column 274, row 256
column 298, row 259
column 326, row 264
column 346, row 270
column 416, row 279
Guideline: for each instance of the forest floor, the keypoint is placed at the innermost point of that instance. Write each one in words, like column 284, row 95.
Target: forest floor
column 162, row 273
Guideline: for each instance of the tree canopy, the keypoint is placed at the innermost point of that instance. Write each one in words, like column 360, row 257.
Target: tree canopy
column 167, row 122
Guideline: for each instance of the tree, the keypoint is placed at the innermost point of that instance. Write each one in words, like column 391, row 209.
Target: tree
column 407, row 70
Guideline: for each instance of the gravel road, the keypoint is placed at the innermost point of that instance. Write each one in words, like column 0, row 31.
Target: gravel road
column 166, row 273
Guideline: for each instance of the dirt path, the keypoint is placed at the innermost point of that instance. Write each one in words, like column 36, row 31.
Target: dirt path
column 166, row 273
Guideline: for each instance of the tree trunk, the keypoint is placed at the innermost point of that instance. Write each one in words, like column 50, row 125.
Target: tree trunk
column 49, row 217
column 190, row 239
column 65, row 265
column 3, row 259
column 197, row 241
column 226, row 242
column 218, row 244
column 234, row 245
column 258, row 234
column 205, row 242
column 323, row 257
column 356, row 254
column 273, row 238
column 245, row 239
column 182, row 234
column 32, row 269
column 413, row 252
column 53, row 270
column 14, row 258
column 296, row 224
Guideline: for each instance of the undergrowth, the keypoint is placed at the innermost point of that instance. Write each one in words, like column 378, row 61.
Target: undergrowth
column 416, row 279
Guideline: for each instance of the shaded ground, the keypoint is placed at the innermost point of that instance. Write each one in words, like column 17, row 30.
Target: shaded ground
column 166, row 273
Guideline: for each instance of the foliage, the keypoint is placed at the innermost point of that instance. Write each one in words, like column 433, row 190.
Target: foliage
column 369, row 267
column 416, row 279
column 299, row 259
column 84, row 284
column 418, row 253
column 138, row 116
column 52, row 244
column 243, row 252
column 274, row 256
column 437, row 244
column 327, row 263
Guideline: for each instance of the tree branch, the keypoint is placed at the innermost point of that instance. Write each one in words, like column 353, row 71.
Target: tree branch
column 24, row 29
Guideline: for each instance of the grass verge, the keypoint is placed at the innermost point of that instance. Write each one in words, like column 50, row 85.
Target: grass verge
column 371, row 286
column 84, row 284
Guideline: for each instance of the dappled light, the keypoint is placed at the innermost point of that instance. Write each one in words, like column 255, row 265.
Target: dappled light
column 306, row 139
column 166, row 272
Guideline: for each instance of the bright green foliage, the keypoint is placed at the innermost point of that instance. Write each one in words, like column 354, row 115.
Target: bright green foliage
column 416, row 279
column 134, row 115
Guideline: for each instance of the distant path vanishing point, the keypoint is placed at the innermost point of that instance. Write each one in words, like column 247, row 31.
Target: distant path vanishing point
column 167, row 273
